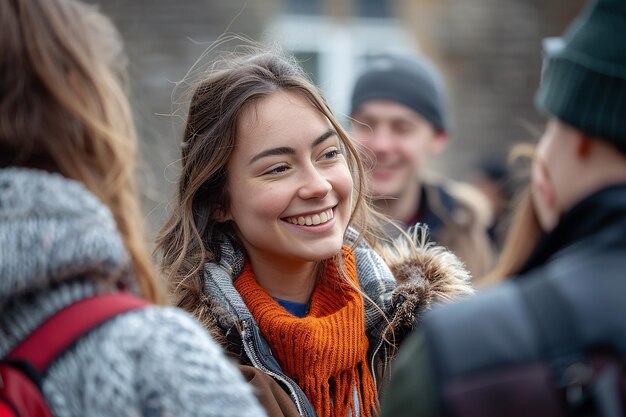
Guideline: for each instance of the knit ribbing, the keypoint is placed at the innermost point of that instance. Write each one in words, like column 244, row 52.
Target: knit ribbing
column 584, row 80
column 326, row 351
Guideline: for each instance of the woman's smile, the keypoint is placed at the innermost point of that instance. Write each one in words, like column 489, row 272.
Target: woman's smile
column 312, row 220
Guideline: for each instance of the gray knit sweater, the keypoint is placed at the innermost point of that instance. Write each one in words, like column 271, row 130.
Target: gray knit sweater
column 150, row 362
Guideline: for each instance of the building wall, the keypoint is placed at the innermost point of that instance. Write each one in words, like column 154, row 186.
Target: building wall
column 490, row 53
column 163, row 40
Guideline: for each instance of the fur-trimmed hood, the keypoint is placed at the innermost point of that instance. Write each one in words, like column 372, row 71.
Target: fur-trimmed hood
column 425, row 274
column 406, row 279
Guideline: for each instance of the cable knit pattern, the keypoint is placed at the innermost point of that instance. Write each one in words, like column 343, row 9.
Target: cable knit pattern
column 375, row 277
column 326, row 351
column 149, row 362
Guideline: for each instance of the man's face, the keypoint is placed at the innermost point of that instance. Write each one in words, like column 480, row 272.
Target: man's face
column 401, row 141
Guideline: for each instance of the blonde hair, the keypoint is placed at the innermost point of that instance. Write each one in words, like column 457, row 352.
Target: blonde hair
column 64, row 109
column 237, row 81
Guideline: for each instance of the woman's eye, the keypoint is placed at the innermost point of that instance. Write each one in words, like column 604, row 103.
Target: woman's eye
column 277, row 170
column 331, row 154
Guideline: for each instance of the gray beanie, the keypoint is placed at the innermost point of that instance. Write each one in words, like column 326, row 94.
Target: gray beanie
column 412, row 81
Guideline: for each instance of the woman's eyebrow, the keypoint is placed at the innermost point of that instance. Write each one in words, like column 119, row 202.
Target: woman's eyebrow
column 329, row 133
column 285, row 150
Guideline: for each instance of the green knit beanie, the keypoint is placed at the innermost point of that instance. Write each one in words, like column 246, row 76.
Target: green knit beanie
column 584, row 78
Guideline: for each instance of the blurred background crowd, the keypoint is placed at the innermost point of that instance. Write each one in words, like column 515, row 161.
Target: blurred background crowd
column 489, row 52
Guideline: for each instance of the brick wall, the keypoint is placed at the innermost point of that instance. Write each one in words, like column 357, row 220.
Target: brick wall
column 490, row 52
column 163, row 39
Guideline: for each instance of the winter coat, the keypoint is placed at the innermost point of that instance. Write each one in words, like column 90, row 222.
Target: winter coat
column 582, row 262
column 59, row 244
column 403, row 287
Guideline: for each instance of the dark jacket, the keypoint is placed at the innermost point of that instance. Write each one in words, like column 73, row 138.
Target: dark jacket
column 403, row 285
column 458, row 218
column 583, row 261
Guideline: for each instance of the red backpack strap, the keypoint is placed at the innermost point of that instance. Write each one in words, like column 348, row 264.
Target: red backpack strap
column 61, row 330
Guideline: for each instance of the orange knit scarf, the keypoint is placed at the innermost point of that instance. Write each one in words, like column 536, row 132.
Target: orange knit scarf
column 326, row 351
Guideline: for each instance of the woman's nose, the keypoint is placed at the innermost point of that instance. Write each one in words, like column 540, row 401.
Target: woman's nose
column 314, row 185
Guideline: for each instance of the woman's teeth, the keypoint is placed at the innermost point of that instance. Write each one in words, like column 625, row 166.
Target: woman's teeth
column 313, row 220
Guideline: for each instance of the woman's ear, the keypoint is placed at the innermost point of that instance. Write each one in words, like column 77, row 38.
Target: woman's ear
column 222, row 215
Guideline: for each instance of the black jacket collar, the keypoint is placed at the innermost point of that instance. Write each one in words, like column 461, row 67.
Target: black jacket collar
column 600, row 217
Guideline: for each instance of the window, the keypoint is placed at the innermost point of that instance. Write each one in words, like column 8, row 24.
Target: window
column 306, row 7
column 373, row 8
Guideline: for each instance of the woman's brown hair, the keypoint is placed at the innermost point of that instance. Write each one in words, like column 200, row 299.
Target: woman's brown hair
column 63, row 108
column 524, row 230
column 235, row 83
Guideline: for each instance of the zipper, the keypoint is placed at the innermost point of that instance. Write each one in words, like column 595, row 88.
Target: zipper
column 256, row 362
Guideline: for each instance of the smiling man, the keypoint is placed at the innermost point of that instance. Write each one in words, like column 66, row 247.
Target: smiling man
column 400, row 117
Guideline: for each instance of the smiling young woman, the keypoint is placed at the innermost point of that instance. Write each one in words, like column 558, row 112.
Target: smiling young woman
column 272, row 243
column 72, row 244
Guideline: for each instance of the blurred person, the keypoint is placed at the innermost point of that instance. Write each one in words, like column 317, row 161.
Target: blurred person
column 400, row 116
column 551, row 339
column 523, row 230
column 523, row 234
column 492, row 179
column 272, row 245
column 71, row 229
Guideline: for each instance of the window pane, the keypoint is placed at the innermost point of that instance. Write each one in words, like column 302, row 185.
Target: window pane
column 374, row 8
column 304, row 7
